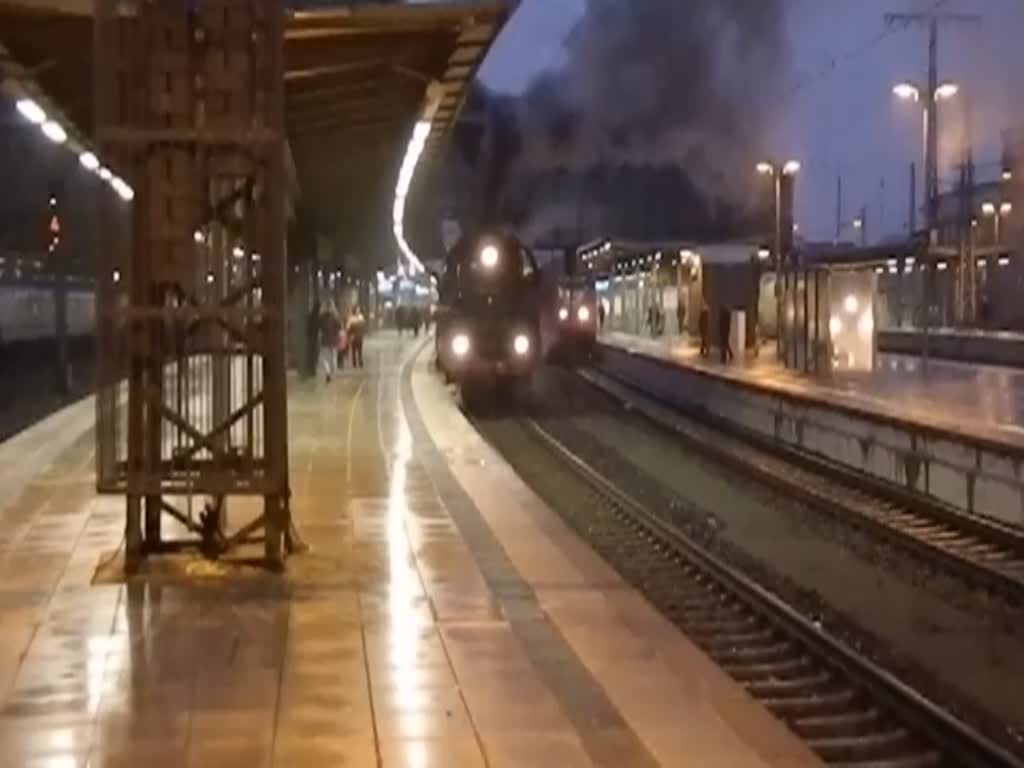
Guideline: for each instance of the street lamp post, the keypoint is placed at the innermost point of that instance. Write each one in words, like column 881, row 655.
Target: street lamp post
column 996, row 213
column 790, row 168
column 910, row 92
column 933, row 95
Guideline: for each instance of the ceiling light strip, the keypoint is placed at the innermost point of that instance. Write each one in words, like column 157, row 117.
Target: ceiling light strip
column 413, row 153
column 54, row 130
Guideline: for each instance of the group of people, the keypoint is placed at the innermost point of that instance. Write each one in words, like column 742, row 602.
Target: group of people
column 656, row 323
column 724, row 332
column 655, row 320
column 337, row 339
column 411, row 319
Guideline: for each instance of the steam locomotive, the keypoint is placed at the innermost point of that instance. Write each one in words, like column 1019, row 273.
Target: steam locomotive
column 491, row 318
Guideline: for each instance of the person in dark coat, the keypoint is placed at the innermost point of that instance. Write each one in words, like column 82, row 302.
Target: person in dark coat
column 703, row 322
column 725, row 330
column 985, row 315
column 356, row 332
column 313, row 339
column 329, row 327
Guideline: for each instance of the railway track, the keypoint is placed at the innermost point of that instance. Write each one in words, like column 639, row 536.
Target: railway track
column 977, row 550
column 850, row 711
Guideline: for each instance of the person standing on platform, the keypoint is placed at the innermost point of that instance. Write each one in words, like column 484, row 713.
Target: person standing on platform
column 725, row 330
column 329, row 327
column 356, row 332
column 342, row 346
column 600, row 315
column 313, row 339
column 704, row 322
column 680, row 316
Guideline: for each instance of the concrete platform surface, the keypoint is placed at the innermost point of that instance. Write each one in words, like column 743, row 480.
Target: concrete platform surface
column 970, row 400
column 444, row 617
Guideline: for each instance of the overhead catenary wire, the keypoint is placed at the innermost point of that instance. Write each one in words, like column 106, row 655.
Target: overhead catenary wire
column 838, row 60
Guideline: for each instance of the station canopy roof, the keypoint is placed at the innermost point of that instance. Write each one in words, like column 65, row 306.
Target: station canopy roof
column 358, row 78
column 849, row 256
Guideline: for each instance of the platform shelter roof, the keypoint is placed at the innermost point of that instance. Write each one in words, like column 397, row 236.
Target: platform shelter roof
column 359, row 77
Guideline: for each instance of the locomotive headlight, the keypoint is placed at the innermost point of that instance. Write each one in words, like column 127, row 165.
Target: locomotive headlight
column 489, row 256
column 563, row 314
column 583, row 313
column 460, row 345
column 521, row 344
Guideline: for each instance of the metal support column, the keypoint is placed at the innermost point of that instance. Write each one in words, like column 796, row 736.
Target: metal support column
column 191, row 305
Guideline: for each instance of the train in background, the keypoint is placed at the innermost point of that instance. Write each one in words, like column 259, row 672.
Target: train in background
column 27, row 310
column 579, row 318
column 576, row 309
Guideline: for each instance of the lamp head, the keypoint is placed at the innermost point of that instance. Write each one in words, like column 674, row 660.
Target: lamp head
column 907, row 91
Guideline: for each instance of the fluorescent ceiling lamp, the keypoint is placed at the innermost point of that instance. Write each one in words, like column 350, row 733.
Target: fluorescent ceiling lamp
column 31, row 111
column 54, row 132
column 89, row 161
column 105, row 174
column 125, row 191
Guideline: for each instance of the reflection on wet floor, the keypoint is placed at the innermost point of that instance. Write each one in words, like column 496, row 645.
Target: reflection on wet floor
column 239, row 667
column 988, row 396
column 418, row 632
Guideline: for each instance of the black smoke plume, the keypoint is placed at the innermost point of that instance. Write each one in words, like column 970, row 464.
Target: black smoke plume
column 650, row 87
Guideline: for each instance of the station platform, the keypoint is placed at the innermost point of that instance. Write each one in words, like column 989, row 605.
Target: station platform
column 443, row 617
column 965, row 399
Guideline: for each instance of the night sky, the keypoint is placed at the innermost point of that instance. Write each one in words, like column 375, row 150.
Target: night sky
column 836, row 112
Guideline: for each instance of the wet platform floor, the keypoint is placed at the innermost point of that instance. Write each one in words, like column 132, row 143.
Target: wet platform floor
column 985, row 401
column 444, row 617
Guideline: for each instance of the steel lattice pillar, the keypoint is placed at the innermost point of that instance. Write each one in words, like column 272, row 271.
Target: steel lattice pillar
column 192, row 302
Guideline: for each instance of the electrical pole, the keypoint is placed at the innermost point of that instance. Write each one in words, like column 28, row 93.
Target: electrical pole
column 912, row 213
column 579, row 206
column 839, row 208
column 934, row 20
column 881, row 204
column 967, row 272
column 58, row 268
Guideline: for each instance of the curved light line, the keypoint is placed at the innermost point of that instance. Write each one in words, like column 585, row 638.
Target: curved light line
column 412, row 157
